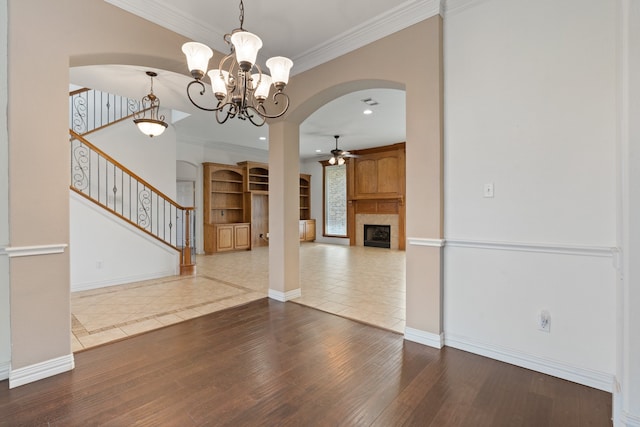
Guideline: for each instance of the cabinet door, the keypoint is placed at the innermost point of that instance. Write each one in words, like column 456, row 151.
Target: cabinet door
column 224, row 238
column 242, row 236
column 310, row 231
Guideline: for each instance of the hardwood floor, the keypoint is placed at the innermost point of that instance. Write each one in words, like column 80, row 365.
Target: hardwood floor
column 269, row 363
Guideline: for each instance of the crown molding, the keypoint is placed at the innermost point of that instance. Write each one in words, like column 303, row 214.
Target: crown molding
column 451, row 7
column 173, row 18
column 396, row 19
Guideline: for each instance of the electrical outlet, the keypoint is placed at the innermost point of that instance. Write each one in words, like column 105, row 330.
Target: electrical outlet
column 544, row 321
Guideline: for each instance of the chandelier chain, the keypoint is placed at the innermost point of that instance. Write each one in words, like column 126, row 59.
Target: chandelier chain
column 241, row 14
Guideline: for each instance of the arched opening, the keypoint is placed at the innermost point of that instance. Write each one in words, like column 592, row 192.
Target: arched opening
column 424, row 187
column 342, row 275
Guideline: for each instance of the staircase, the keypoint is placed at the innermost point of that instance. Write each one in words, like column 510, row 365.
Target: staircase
column 102, row 180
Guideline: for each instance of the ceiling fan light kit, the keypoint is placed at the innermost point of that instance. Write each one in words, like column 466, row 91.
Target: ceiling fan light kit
column 238, row 92
column 338, row 155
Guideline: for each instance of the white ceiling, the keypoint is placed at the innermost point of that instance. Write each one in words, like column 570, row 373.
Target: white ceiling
column 310, row 33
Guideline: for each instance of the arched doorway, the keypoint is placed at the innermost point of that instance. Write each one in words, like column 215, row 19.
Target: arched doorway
column 421, row 77
column 341, row 275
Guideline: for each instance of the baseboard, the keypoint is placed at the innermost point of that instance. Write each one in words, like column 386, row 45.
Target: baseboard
column 5, row 367
column 76, row 287
column 284, row 296
column 423, row 337
column 49, row 368
column 591, row 378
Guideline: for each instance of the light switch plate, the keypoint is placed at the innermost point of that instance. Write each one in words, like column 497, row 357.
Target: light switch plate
column 488, row 190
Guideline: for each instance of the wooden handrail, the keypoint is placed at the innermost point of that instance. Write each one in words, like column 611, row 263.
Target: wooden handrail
column 129, row 172
column 79, row 91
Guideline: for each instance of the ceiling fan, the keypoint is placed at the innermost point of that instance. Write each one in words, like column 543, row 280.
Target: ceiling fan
column 338, row 155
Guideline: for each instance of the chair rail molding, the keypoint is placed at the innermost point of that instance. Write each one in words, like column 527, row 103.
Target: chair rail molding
column 549, row 248
column 418, row 241
column 20, row 251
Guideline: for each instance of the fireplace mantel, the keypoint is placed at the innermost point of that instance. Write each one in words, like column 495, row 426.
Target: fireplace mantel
column 376, row 186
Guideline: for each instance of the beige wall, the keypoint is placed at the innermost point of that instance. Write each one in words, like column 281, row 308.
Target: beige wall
column 385, row 63
column 5, row 338
column 45, row 38
column 93, row 32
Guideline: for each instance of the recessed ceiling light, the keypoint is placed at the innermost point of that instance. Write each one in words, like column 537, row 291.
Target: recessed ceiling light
column 263, row 138
column 367, row 111
column 318, row 151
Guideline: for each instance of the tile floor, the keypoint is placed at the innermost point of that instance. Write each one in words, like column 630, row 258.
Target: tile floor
column 361, row 283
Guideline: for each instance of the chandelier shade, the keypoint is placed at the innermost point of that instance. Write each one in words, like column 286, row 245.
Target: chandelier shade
column 219, row 79
column 246, row 46
column 198, row 56
column 153, row 125
column 262, row 85
column 239, row 86
column 279, row 67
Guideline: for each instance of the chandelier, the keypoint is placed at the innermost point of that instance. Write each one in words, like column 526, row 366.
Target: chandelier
column 239, row 92
column 154, row 125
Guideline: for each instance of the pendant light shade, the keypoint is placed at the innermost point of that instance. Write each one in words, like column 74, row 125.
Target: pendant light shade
column 154, row 124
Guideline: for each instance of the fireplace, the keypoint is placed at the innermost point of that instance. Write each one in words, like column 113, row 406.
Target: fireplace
column 378, row 236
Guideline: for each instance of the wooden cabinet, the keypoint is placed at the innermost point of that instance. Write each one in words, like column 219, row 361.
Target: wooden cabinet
column 236, row 207
column 224, row 204
column 307, row 230
column 227, row 237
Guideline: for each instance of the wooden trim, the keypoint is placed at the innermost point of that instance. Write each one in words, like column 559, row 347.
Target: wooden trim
column 124, row 218
column 383, row 149
column 79, row 91
column 128, row 171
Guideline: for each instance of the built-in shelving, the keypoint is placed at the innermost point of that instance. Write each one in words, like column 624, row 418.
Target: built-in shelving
column 305, row 196
column 224, row 203
column 236, row 205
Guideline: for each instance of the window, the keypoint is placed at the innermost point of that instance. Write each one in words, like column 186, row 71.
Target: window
column 335, row 200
